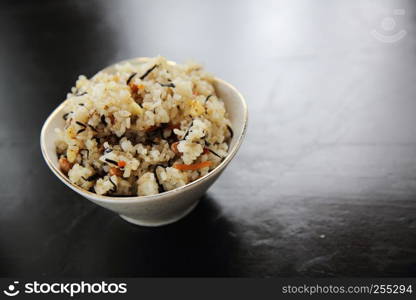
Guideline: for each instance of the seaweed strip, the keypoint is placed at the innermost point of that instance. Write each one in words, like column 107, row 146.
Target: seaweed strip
column 92, row 177
column 65, row 116
column 205, row 102
column 187, row 132
column 103, row 120
column 81, row 130
column 82, row 94
column 88, row 151
column 171, row 85
column 108, row 150
column 148, row 72
column 171, row 161
column 111, row 161
column 81, row 104
column 130, row 78
column 114, row 185
column 92, row 127
column 213, row 152
column 81, row 124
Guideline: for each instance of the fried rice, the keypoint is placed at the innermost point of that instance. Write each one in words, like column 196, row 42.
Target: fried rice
column 144, row 129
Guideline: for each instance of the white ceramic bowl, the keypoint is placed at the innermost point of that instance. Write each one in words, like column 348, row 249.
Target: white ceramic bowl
column 163, row 208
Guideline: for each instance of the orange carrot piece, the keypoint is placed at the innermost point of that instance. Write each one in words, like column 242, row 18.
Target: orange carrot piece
column 121, row 163
column 115, row 171
column 134, row 88
column 65, row 165
column 192, row 167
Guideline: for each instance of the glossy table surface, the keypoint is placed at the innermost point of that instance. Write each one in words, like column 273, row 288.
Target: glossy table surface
column 324, row 184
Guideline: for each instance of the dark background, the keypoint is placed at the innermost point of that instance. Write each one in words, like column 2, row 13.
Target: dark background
column 324, row 184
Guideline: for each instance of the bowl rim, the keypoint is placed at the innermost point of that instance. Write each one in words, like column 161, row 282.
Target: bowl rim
column 137, row 199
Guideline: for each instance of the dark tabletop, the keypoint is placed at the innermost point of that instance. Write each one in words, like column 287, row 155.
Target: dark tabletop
column 324, row 184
